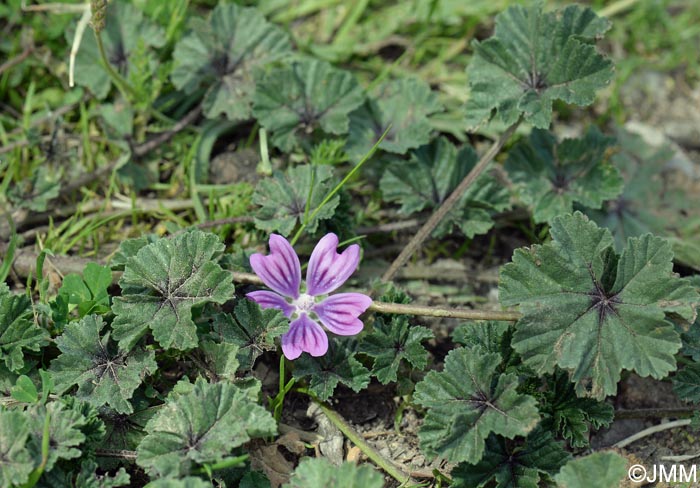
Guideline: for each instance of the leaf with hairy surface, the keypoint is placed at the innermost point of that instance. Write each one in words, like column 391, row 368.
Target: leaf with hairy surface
column 162, row 283
column 320, row 472
column 467, row 401
column 405, row 104
column 551, row 176
column 222, row 55
column 655, row 199
column 686, row 383
column 432, row 174
column 533, row 59
column 125, row 28
column 570, row 416
column 91, row 360
column 287, row 198
column 593, row 312
column 202, row 426
column 600, row 469
column 18, row 332
column 338, row 365
column 15, row 461
column 391, row 341
column 250, row 328
column 513, row 464
column 294, row 100
column 66, row 430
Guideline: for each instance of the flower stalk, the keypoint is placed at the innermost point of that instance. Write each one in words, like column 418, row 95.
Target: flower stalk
column 347, row 430
column 417, row 310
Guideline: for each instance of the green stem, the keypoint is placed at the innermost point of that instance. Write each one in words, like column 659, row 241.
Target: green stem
column 350, row 22
column 616, row 7
column 337, row 188
column 278, row 402
column 223, row 464
column 127, row 91
column 357, row 439
column 404, row 309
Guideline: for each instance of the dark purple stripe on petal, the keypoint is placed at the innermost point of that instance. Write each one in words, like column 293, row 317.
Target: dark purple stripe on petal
column 339, row 313
column 291, row 346
column 328, row 270
column 270, row 299
column 304, row 335
column 280, row 270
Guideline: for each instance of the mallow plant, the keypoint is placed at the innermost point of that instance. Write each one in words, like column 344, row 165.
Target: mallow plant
column 153, row 369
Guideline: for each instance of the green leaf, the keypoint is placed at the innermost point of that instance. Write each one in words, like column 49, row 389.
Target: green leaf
column 695, row 421
column 91, row 360
column 686, row 383
column 66, row 426
column 294, row 100
column 35, row 192
column 592, row 312
column 320, row 472
column 432, row 174
column 126, row 431
column 203, row 426
column 652, row 200
column 9, row 378
column 551, row 176
column 220, row 360
column 600, row 469
column 128, row 249
column 569, row 416
column 18, row 332
column 162, row 283
column 534, row 58
column 338, row 365
column 691, row 341
column 88, row 292
column 254, row 479
column 92, row 425
column 288, row 198
column 466, row 402
column 118, row 119
column 125, row 27
column 405, row 104
column 488, row 336
column 15, row 460
column 88, row 478
column 250, row 328
column 391, row 340
column 513, row 464
column 24, row 390
column 222, row 54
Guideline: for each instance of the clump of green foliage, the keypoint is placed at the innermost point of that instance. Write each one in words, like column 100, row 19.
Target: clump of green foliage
column 144, row 370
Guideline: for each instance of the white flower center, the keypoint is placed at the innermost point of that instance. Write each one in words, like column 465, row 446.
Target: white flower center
column 304, row 302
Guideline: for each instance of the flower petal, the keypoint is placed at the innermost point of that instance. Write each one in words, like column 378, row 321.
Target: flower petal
column 304, row 335
column 270, row 299
column 279, row 270
column 328, row 270
column 339, row 312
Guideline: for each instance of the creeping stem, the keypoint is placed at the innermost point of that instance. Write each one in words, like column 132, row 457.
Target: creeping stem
column 394, row 471
column 403, row 309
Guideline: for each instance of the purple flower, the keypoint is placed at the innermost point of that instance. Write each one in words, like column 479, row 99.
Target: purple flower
column 327, row 271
